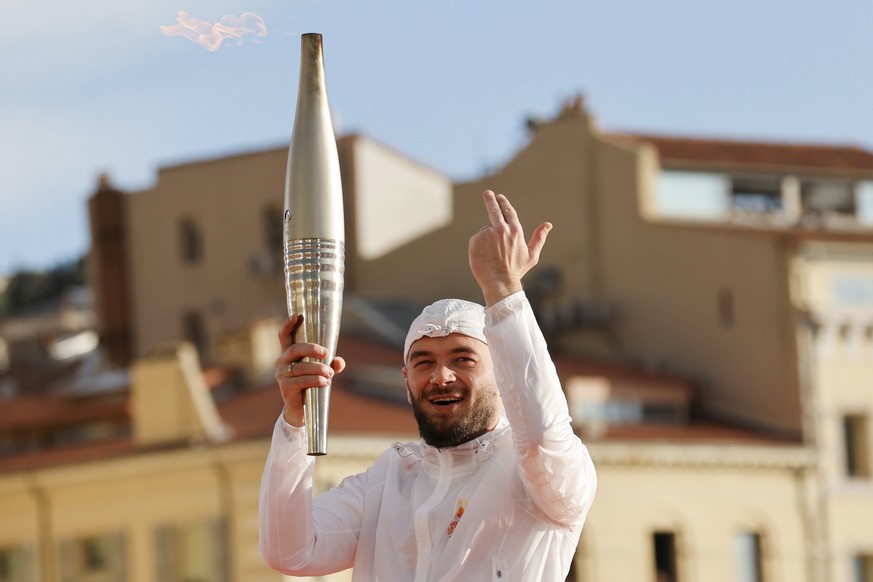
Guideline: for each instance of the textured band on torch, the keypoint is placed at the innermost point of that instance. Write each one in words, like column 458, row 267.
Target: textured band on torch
column 314, row 238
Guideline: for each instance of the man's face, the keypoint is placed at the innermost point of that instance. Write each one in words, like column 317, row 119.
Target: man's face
column 451, row 386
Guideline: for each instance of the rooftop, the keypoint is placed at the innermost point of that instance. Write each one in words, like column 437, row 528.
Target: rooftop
column 252, row 412
column 757, row 155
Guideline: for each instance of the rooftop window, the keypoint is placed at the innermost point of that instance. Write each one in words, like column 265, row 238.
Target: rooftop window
column 598, row 402
column 864, row 203
column 692, row 195
column 822, row 196
column 763, row 198
column 758, row 194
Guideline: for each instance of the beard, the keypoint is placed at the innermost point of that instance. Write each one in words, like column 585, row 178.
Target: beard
column 441, row 432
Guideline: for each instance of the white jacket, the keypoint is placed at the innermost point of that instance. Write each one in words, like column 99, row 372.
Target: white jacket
column 508, row 506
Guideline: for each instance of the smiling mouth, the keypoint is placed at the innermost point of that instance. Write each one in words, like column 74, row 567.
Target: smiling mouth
column 445, row 400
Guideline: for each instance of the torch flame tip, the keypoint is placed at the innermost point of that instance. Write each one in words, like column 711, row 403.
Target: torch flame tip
column 210, row 36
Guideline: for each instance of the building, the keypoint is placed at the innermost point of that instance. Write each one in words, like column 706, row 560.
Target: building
column 175, row 496
column 709, row 303
column 178, row 231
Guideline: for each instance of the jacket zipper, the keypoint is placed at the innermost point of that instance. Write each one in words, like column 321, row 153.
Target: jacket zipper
column 422, row 527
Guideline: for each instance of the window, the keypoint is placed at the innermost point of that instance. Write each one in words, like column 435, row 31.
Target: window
column 98, row 558
column 626, row 411
column 94, row 554
column 759, row 194
column 726, row 308
column 692, row 195
column 571, row 573
column 578, row 571
column 664, row 546
column 267, row 261
column 194, row 330
column 857, row 453
column 827, row 196
column 15, row 564
column 851, row 290
column 862, row 568
column 864, row 202
column 191, row 242
column 747, row 552
column 274, row 229
column 193, row 552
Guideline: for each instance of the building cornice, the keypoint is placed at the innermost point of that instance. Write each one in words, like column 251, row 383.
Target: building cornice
column 703, row 455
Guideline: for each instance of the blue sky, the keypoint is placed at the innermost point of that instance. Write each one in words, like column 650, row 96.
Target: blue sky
column 91, row 87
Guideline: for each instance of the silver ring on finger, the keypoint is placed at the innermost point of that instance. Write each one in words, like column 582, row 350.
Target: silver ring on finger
column 290, row 369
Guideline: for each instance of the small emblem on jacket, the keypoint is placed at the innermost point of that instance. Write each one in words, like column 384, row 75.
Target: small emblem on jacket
column 460, row 506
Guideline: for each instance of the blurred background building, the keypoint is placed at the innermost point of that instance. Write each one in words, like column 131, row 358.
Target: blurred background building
column 709, row 304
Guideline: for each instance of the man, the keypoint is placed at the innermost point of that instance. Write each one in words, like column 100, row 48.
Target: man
column 497, row 488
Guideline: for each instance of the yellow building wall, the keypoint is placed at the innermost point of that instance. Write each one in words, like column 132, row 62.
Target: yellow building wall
column 136, row 495
column 655, row 275
column 544, row 181
column 834, row 285
column 659, row 275
column 396, row 199
column 227, row 200
column 704, row 494
column 666, row 279
column 389, row 200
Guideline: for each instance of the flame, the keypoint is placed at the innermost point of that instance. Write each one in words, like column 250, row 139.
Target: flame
column 210, row 36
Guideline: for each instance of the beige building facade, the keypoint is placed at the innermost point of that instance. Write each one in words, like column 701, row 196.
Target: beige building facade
column 178, row 502
column 191, row 514
column 706, row 512
column 744, row 269
column 184, row 515
column 834, row 287
column 204, row 245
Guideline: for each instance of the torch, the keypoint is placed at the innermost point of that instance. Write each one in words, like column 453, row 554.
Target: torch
column 314, row 236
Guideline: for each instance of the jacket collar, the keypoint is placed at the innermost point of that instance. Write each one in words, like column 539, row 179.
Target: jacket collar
column 466, row 455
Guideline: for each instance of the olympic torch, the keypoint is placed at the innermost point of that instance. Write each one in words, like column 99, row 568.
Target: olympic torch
column 314, row 234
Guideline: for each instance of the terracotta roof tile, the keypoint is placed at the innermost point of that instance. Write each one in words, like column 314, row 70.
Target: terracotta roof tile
column 35, row 412
column 761, row 155
column 568, row 366
column 252, row 413
column 698, row 431
column 81, row 452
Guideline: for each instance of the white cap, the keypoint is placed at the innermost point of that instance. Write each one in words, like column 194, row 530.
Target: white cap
column 447, row 316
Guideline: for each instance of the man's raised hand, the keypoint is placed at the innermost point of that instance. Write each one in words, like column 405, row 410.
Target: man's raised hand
column 499, row 254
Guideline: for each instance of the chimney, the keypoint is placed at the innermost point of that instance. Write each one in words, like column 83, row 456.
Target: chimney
column 170, row 400
column 253, row 349
column 108, row 271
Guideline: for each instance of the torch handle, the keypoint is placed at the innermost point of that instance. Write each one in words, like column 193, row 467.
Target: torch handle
column 314, row 280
